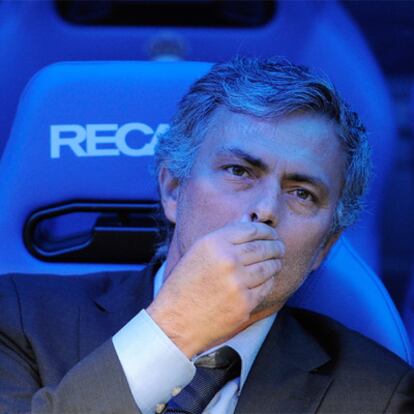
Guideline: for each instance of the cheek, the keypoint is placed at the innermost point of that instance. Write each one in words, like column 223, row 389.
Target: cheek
column 301, row 251
column 303, row 242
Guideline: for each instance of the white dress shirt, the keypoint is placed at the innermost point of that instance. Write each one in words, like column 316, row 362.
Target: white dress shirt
column 157, row 370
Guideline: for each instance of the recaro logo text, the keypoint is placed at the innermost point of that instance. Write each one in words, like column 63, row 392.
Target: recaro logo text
column 102, row 140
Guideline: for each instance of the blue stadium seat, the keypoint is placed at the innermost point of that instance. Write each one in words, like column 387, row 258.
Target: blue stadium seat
column 346, row 289
column 408, row 301
column 44, row 167
column 317, row 33
column 408, row 308
column 82, row 143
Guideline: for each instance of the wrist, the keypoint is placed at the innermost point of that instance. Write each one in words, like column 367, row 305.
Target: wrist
column 178, row 331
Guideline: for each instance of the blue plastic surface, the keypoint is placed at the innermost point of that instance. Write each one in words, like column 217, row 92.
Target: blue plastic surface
column 113, row 94
column 408, row 303
column 317, row 33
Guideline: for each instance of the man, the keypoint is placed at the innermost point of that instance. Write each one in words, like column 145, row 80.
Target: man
column 262, row 169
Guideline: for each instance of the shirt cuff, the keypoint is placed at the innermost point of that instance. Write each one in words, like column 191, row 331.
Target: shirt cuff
column 154, row 366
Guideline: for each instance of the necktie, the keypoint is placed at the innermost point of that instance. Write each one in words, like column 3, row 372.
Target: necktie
column 213, row 371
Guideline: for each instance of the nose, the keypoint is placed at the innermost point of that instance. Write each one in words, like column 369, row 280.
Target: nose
column 266, row 208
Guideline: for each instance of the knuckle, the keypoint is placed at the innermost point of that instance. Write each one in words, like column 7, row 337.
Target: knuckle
column 227, row 262
column 253, row 230
column 249, row 248
column 261, row 269
column 276, row 266
column 270, row 250
column 281, row 247
column 267, row 230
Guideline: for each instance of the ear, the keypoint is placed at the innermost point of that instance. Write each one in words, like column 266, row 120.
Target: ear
column 325, row 250
column 169, row 188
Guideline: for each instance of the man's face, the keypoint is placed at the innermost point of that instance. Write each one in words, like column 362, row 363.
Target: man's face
column 286, row 173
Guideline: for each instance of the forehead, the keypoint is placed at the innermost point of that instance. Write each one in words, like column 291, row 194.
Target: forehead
column 304, row 142
column 297, row 133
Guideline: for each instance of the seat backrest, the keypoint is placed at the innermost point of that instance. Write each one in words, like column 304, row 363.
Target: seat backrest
column 83, row 141
column 346, row 289
column 317, row 33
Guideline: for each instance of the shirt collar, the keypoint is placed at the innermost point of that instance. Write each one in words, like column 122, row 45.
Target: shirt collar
column 247, row 343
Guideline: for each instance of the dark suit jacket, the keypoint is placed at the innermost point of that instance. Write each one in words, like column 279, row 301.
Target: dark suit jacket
column 56, row 354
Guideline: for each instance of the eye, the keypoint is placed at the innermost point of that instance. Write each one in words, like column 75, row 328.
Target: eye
column 304, row 195
column 237, row 170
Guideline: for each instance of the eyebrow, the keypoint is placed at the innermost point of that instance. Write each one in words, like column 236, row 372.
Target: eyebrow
column 256, row 162
column 310, row 179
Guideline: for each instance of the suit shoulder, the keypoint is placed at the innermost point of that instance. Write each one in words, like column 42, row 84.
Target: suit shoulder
column 343, row 344
column 68, row 288
column 365, row 377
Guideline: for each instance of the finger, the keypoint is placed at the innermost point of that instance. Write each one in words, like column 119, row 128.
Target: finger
column 259, row 250
column 259, row 273
column 238, row 233
column 260, row 292
column 245, row 219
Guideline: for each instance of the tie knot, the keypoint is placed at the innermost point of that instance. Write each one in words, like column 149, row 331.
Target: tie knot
column 213, row 372
column 223, row 357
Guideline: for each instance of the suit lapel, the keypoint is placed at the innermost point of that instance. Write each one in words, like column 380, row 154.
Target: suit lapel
column 124, row 296
column 285, row 377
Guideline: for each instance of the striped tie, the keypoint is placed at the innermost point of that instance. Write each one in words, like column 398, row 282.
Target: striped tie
column 212, row 373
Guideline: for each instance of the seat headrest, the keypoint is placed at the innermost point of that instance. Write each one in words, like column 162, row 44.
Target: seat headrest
column 85, row 130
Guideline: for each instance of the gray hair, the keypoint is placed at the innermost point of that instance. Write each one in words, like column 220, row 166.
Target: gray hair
column 266, row 88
